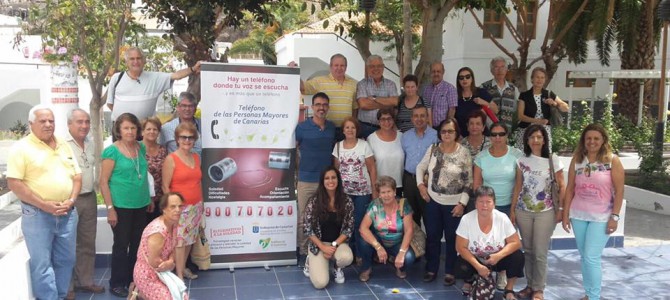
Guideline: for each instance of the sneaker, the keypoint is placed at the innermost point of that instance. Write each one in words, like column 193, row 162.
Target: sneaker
column 339, row 275
column 501, row 281
column 305, row 269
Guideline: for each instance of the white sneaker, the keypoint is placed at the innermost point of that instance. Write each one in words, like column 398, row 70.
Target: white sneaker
column 501, row 281
column 339, row 275
column 305, row 269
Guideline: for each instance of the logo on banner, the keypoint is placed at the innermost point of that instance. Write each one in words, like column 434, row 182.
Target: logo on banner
column 255, row 228
column 265, row 243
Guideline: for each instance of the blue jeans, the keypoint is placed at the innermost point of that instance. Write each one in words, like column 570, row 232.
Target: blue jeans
column 591, row 240
column 360, row 207
column 504, row 209
column 439, row 221
column 51, row 243
column 367, row 250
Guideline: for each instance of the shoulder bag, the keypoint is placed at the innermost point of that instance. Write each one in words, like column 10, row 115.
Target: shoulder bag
column 555, row 189
column 418, row 242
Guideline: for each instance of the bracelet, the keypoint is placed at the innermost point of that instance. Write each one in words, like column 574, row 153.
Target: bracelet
column 560, row 208
column 71, row 200
column 402, row 250
column 192, row 71
column 110, row 207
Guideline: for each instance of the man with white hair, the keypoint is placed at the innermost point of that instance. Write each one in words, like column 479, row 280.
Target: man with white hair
column 136, row 91
column 372, row 93
column 44, row 174
column 503, row 93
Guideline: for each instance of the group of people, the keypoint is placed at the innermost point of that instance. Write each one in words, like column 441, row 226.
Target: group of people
column 150, row 180
column 383, row 163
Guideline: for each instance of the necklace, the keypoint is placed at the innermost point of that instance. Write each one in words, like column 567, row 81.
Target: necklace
column 136, row 160
column 467, row 98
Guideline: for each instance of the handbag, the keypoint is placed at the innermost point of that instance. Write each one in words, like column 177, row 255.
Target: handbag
column 492, row 116
column 418, row 242
column 555, row 189
column 555, row 116
column 483, row 288
column 200, row 253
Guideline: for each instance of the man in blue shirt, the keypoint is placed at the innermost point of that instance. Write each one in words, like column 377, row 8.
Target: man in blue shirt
column 315, row 138
column 415, row 142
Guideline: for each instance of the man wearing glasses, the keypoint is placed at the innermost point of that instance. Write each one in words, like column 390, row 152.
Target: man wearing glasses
column 79, row 124
column 373, row 93
column 185, row 113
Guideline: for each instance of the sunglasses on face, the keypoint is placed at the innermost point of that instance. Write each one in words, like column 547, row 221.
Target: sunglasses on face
column 449, row 131
column 187, row 138
column 463, row 77
column 500, row 134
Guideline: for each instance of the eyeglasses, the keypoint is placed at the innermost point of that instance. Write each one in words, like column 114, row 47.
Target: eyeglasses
column 187, row 137
column 386, row 119
column 449, row 131
column 463, row 77
column 321, row 104
column 85, row 159
column 500, row 134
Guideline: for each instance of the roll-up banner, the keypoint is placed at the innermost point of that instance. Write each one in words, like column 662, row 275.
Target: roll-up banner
column 249, row 114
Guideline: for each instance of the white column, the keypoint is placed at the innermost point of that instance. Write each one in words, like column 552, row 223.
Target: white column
column 64, row 93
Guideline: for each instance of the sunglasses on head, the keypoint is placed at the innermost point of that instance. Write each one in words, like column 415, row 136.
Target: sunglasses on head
column 463, row 77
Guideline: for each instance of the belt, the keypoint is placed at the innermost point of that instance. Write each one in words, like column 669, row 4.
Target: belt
column 85, row 194
column 409, row 174
column 369, row 124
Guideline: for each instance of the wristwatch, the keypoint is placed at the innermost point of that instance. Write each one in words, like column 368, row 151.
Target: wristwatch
column 374, row 98
column 614, row 217
column 334, row 243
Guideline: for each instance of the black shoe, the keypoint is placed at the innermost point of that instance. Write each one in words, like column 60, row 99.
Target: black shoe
column 119, row 291
column 429, row 277
column 192, row 266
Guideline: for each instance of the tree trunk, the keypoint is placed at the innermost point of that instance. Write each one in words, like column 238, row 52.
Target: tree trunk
column 431, row 46
column 95, row 110
column 406, row 65
column 641, row 58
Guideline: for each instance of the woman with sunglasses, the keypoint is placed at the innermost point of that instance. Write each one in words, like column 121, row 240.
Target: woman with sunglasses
column 449, row 168
column 470, row 98
column 533, row 208
column 181, row 174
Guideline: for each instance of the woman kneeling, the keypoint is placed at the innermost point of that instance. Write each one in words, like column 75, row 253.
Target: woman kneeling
column 329, row 220
column 391, row 232
column 487, row 241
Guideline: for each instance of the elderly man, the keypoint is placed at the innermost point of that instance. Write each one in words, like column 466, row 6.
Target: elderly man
column 373, row 93
column 442, row 96
column 314, row 138
column 415, row 143
column 503, row 93
column 136, row 91
column 79, row 124
column 43, row 172
column 340, row 89
column 185, row 113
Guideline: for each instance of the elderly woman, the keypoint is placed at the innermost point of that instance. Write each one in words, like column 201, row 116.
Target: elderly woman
column 329, row 222
column 125, row 190
column 449, row 168
column 593, row 202
column 407, row 101
column 156, row 153
column 496, row 167
column 486, row 241
column 156, row 249
column 470, row 98
column 534, row 106
column 533, row 209
column 385, row 144
column 476, row 141
column 387, row 229
column 182, row 174
column 355, row 160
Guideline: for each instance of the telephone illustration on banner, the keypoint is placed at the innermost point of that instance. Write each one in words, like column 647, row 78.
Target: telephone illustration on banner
column 214, row 135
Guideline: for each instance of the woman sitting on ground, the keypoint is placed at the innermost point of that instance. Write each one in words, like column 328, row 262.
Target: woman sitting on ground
column 387, row 228
column 156, row 252
column 487, row 241
column 329, row 222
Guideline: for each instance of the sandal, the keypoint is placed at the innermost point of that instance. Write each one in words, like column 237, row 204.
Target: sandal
column 525, row 293
column 189, row 275
column 507, row 292
column 538, row 295
column 133, row 292
column 449, row 280
column 365, row 275
column 467, row 289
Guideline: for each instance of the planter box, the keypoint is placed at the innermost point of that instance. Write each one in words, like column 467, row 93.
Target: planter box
column 647, row 200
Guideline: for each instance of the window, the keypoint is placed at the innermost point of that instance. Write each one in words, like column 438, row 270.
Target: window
column 530, row 11
column 578, row 82
column 493, row 22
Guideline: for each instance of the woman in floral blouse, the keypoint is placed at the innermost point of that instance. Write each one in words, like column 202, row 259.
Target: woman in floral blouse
column 533, row 209
column 329, row 221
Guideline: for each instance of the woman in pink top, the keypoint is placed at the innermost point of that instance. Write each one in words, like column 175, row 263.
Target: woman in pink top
column 592, row 202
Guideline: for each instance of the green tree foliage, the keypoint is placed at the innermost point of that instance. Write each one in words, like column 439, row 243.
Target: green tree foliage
column 196, row 24
column 94, row 30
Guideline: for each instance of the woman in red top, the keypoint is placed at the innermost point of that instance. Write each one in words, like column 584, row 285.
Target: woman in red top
column 181, row 173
